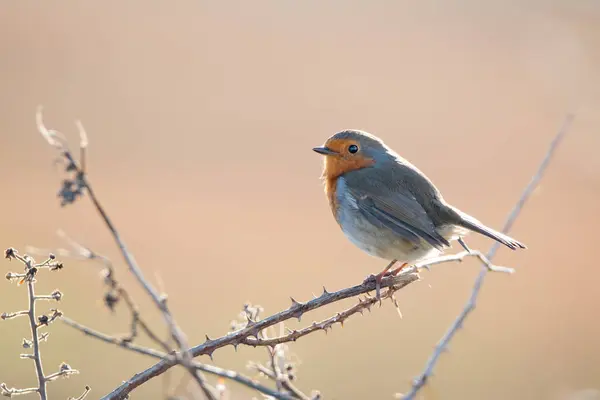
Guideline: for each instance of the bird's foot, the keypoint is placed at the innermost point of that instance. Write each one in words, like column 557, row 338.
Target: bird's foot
column 377, row 278
column 383, row 274
column 396, row 271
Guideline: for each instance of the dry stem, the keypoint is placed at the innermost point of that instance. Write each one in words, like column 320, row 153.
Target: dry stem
column 421, row 380
column 80, row 182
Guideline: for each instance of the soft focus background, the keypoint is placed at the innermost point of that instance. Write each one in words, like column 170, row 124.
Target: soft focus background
column 202, row 116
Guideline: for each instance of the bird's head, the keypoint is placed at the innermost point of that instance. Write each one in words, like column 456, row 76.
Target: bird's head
column 351, row 150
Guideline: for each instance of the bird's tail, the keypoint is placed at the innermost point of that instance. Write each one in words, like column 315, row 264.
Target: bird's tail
column 466, row 221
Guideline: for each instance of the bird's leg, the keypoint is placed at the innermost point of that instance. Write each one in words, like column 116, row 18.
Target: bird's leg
column 396, row 271
column 380, row 276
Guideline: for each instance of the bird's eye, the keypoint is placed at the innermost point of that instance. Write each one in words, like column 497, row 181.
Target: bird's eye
column 353, row 148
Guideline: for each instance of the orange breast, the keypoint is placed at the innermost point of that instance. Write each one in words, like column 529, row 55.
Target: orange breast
column 330, row 191
column 336, row 167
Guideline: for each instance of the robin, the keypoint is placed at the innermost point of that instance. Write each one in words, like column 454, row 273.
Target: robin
column 389, row 208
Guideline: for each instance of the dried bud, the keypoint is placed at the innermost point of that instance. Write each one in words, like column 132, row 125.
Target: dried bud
column 110, row 300
column 52, row 256
column 56, row 313
column 64, row 367
column 56, row 267
column 29, row 275
column 27, row 344
column 57, row 295
column 43, row 320
column 10, row 253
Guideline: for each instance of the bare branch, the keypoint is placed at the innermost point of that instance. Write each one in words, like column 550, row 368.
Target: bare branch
column 83, row 395
column 64, row 371
column 459, row 257
column 6, row 315
column 421, row 380
column 74, row 188
column 116, row 292
column 35, row 323
column 169, row 358
column 10, row 392
column 36, row 342
column 296, row 310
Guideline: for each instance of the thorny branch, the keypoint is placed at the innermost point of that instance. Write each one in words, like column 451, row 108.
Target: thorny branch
column 163, row 356
column 250, row 335
column 282, row 369
column 421, row 380
column 296, row 310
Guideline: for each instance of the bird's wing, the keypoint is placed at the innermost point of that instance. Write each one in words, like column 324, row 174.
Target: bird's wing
column 399, row 212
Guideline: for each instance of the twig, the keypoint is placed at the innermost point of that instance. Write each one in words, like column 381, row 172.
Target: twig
column 421, row 380
column 459, row 257
column 6, row 315
column 117, row 341
column 64, row 371
column 277, row 354
column 296, row 393
column 296, row 310
column 116, row 291
column 169, row 358
column 83, row 395
column 29, row 277
column 9, row 392
column 69, row 195
column 324, row 325
column 39, row 370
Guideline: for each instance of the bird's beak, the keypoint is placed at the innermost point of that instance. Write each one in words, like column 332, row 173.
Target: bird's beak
column 325, row 151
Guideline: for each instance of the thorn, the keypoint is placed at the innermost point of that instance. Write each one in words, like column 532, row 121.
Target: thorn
column 235, row 346
column 210, row 354
column 294, row 303
column 207, row 338
column 325, row 292
column 399, row 312
column 342, row 323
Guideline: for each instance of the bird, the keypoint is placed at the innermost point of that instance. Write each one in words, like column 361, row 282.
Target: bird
column 387, row 207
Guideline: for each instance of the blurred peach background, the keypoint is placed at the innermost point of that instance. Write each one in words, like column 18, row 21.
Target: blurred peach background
column 202, row 116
